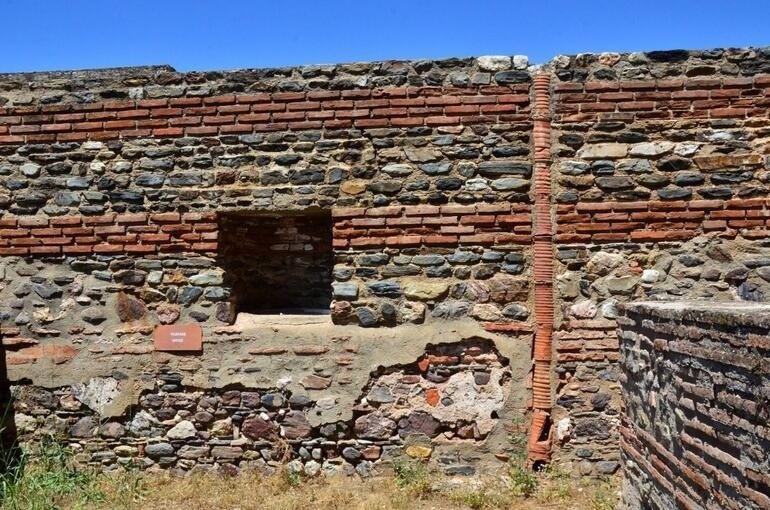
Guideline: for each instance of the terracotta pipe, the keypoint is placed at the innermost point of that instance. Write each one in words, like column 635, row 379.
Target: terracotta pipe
column 539, row 443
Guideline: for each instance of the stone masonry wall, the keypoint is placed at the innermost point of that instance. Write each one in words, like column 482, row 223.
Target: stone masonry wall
column 696, row 382
column 139, row 197
column 395, row 195
column 660, row 173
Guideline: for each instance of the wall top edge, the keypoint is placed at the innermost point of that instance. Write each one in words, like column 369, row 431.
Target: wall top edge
column 163, row 81
column 733, row 313
column 576, row 60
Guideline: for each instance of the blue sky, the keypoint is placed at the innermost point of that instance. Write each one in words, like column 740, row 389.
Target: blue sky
column 222, row 34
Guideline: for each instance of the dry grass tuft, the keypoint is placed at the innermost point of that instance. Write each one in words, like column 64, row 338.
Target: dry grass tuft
column 50, row 482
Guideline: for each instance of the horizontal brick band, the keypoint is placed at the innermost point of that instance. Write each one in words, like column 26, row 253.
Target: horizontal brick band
column 260, row 112
column 481, row 224
column 654, row 221
column 663, row 99
column 140, row 233
column 587, row 340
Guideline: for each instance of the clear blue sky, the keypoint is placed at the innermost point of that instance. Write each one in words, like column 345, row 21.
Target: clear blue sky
column 222, row 34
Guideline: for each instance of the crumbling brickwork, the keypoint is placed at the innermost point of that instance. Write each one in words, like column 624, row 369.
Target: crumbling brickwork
column 696, row 381
column 465, row 200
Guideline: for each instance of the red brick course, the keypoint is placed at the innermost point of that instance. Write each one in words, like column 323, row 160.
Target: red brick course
column 662, row 99
column 142, row 233
column 246, row 113
column 449, row 225
column 654, row 221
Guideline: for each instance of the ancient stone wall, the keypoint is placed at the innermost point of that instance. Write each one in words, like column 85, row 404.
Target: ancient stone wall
column 696, row 382
column 660, row 176
column 393, row 195
column 433, row 205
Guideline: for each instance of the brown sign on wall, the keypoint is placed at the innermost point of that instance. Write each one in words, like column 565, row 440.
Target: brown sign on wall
column 182, row 337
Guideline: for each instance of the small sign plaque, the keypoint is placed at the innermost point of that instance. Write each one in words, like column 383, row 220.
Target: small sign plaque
column 178, row 337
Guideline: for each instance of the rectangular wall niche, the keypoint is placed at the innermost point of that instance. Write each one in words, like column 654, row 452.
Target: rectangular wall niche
column 278, row 263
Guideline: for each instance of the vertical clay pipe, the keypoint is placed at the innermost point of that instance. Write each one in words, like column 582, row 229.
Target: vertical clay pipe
column 539, row 444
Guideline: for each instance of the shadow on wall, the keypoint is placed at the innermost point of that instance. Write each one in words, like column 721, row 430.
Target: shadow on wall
column 277, row 262
column 10, row 451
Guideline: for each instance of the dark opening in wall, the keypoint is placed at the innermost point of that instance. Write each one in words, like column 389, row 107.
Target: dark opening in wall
column 278, row 262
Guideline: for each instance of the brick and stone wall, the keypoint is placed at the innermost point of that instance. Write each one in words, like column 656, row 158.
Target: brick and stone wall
column 696, row 382
column 394, row 196
column 660, row 171
column 441, row 210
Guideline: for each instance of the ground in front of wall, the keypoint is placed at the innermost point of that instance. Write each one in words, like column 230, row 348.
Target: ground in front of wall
column 49, row 485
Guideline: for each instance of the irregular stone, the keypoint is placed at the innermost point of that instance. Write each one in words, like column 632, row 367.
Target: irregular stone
column 650, row 275
column 516, row 311
column 312, row 468
column 227, row 453
column 425, row 290
column 593, row 428
column 620, row 285
column 30, row 170
column 374, row 426
column 421, row 155
column 380, row 395
column 385, row 288
column 602, row 263
column 167, row 313
column 607, row 467
column 603, row 151
column 354, row 186
column 93, row 315
column 206, row 279
column 295, row 425
column 494, row 63
column 142, row 423
column 129, row 308
column 651, row 149
column 510, row 77
column 366, row 317
column 509, row 184
column 193, row 452
column 585, row 309
column 600, row 401
column 614, row 183
column 418, row 422
column 188, row 295
column 112, row 430
column 257, row 428
column 397, row 170
column 47, row 291
column 351, row 454
column 436, row 168
column 222, row 428
column 485, row 312
column 451, row 309
column 24, row 423
column 412, row 312
column 502, row 168
column 418, row 451
column 182, row 430
column 272, row 400
column 85, row 427
column 428, row 260
column 157, row 450
column 315, row 382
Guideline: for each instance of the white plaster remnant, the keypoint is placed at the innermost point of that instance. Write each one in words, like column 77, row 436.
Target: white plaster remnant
column 97, row 393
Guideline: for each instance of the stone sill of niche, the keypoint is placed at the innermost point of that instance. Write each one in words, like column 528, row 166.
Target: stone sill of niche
column 298, row 317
